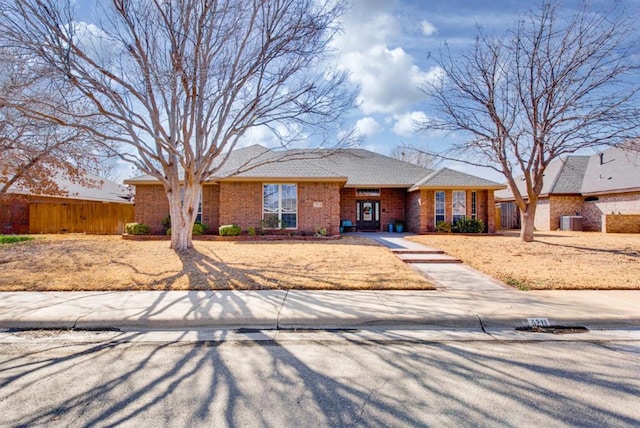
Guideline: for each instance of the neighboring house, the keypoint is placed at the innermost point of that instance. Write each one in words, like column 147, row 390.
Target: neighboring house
column 601, row 191
column 303, row 190
column 95, row 206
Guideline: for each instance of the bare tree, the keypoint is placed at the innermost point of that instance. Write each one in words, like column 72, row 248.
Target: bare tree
column 556, row 83
column 36, row 151
column 415, row 155
column 184, row 80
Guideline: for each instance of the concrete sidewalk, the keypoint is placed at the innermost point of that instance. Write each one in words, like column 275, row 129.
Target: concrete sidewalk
column 465, row 298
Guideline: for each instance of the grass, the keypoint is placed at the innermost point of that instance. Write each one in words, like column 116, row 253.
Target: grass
column 555, row 260
column 82, row 262
column 12, row 239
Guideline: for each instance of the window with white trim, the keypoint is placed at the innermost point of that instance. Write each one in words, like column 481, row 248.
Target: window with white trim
column 459, row 205
column 439, row 205
column 280, row 206
column 474, row 205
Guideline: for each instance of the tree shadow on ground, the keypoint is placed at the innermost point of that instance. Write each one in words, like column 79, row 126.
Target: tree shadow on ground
column 266, row 383
column 629, row 252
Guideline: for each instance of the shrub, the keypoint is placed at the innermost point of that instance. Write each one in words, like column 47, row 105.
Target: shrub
column 468, row 225
column 229, row 230
column 137, row 229
column 251, row 231
column 443, row 227
column 321, row 231
column 197, row 230
column 166, row 222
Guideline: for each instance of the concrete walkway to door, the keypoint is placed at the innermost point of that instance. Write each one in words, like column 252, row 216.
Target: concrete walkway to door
column 499, row 305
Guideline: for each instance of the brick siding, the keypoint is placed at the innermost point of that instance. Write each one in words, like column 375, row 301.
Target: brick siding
column 241, row 204
column 621, row 223
column 151, row 206
column 563, row 206
column 416, row 216
column 318, row 205
column 211, row 207
column 623, row 203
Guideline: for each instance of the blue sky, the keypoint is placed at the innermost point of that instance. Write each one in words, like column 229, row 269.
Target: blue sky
column 385, row 46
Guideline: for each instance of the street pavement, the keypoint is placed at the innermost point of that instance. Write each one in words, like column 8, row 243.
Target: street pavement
column 464, row 299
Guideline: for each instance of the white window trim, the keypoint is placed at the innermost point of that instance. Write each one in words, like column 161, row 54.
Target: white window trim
column 474, row 205
column 435, row 207
column 453, row 205
column 280, row 204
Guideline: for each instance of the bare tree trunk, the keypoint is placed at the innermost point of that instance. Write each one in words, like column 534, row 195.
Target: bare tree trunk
column 183, row 209
column 528, row 217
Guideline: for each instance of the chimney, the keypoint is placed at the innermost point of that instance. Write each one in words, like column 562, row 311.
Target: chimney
column 601, row 158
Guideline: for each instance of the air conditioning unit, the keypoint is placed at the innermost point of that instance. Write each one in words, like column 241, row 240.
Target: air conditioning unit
column 571, row 222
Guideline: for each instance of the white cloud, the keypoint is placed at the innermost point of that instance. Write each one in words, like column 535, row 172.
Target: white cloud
column 405, row 123
column 368, row 126
column 428, row 29
column 388, row 76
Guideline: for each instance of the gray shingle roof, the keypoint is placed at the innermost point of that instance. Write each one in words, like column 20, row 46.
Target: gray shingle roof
column 619, row 171
column 364, row 168
column 446, row 177
column 357, row 167
column 94, row 189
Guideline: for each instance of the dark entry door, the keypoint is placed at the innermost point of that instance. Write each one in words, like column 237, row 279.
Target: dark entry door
column 368, row 215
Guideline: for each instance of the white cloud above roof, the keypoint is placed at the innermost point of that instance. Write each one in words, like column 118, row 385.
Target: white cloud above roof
column 368, row 126
column 405, row 123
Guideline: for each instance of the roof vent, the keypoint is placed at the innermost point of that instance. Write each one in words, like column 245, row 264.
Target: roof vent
column 601, row 158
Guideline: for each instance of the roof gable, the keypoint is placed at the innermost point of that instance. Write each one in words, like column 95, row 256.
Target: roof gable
column 450, row 178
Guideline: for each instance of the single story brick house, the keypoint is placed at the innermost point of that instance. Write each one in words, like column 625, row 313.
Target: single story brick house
column 602, row 191
column 303, row 190
column 94, row 206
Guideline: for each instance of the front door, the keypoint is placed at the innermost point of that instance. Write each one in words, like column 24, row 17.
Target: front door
column 368, row 215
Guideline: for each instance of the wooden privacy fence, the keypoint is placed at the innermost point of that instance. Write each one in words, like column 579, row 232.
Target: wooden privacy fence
column 96, row 218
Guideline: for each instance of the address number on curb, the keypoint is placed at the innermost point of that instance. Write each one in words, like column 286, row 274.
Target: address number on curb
column 538, row 322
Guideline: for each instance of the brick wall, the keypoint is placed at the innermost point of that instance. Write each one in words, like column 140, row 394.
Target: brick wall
column 563, row 206
column 621, row 223
column 415, row 222
column 241, row 204
column 151, row 206
column 392, row 206
column 318, row 205
column 623, row 203
column 488, row 205
column 14, row 214
column 211, row 207
column 348, row 204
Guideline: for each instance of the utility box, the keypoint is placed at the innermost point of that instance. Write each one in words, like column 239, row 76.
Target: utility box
column 571, row 222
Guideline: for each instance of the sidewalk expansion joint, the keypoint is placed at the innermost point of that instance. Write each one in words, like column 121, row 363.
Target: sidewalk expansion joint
column 286, row 294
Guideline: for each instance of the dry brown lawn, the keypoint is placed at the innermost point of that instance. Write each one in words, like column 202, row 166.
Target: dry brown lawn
column 555, row 260
column 79, row 262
